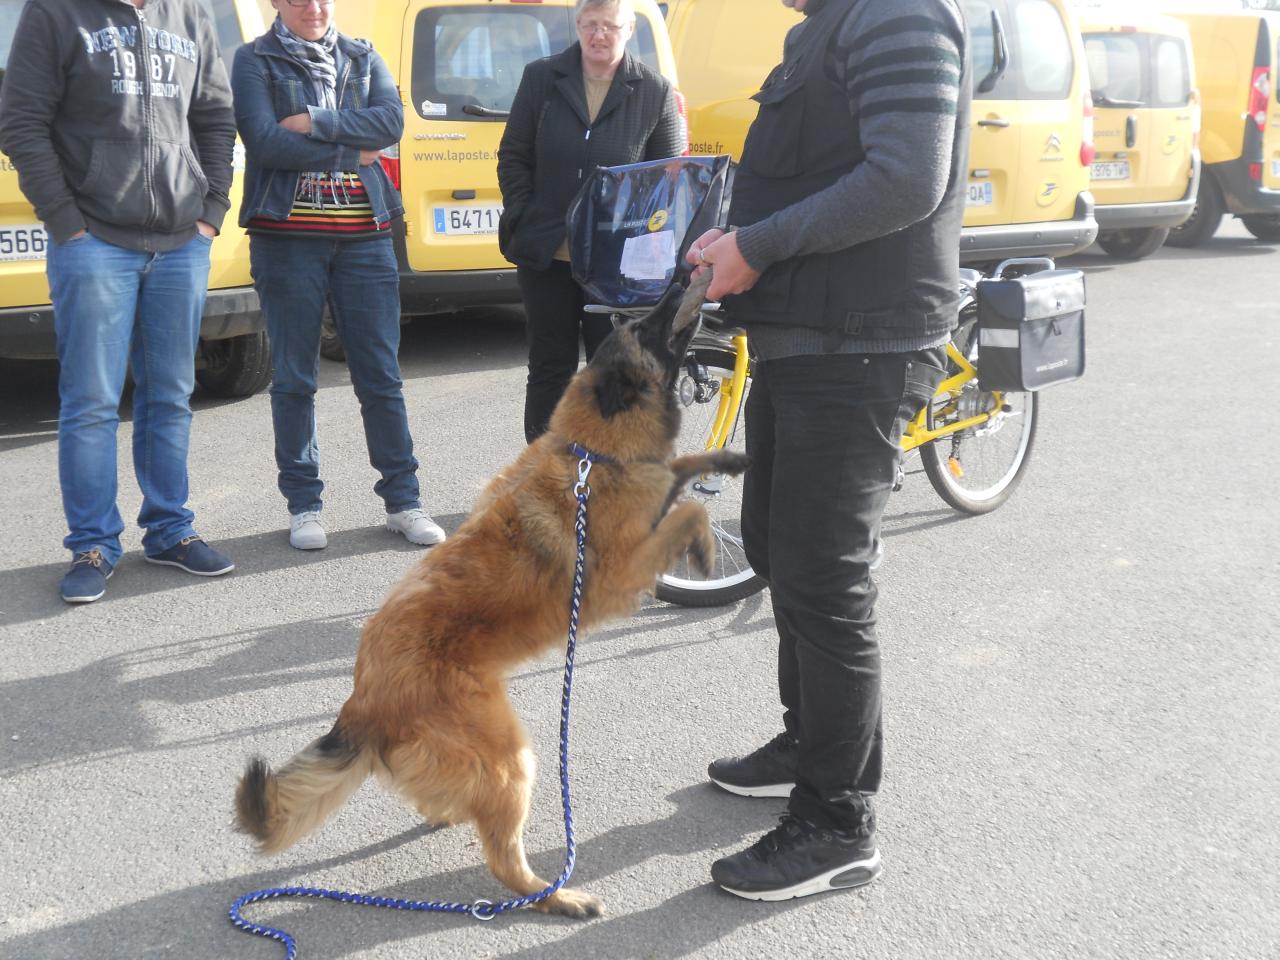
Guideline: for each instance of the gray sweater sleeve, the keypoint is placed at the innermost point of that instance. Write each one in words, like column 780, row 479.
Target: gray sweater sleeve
column 901, row 65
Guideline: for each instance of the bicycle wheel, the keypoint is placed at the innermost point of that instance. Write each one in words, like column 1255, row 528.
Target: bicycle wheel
column 699, row 390
column 977, row 469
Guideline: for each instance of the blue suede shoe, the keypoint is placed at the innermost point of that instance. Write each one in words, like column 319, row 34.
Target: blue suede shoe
column 194, row 556
column 86, row 581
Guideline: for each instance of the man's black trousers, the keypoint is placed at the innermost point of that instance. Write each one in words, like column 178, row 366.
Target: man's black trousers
column 823, row 435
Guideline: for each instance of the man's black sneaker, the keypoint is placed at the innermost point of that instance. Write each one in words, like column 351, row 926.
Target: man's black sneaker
column 796, row 859
column 194, row 556
column 86, row 581
column 767, row 772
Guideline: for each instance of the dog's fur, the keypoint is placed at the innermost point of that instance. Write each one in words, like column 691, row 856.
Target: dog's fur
column 429, row 713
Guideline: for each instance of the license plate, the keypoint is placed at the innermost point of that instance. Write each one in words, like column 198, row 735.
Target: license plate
column 454, row 221
column 982, row 193
column 1110, row 170
column 23, row 241
column 1275, row 168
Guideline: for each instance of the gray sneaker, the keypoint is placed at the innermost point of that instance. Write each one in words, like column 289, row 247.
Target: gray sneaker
column 416, row 525
column 305, row 531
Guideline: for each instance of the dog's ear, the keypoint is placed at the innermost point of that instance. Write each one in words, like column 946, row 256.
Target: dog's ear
column 618, row 389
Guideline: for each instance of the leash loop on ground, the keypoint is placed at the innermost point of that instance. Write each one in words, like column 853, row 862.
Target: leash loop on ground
column 483, row 910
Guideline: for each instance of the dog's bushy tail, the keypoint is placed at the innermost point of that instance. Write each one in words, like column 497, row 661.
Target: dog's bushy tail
column 279, row 808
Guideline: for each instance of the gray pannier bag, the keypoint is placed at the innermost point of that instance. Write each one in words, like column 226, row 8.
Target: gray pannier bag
column 1031, row 330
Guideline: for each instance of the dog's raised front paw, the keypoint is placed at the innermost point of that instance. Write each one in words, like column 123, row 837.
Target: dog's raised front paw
column 572, row 903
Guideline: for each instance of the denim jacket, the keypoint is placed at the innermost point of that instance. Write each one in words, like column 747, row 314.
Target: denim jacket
column 268, row 85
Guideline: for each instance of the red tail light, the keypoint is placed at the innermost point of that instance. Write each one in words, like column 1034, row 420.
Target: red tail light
column 1087, row 150
column 682, row 109
column 1259, row 96
column 390, row 161
column 1255, row 172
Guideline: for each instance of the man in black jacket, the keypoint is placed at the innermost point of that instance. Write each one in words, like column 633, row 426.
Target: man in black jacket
column 117, row 115
column 848, row 203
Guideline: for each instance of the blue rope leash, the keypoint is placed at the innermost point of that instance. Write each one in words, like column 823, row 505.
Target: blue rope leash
column 481, row 909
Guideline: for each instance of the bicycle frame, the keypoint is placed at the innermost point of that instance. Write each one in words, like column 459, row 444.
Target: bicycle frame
column 917, row 432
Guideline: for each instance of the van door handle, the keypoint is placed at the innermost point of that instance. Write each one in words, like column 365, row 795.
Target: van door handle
column 1131, row 132
column 994, row 122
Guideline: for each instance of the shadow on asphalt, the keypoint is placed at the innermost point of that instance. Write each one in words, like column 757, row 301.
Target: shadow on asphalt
column 31, row 593
column 113, row 691
column 193, row 922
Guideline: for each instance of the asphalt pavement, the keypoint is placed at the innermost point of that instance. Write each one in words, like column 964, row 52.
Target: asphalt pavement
column 1081, row 687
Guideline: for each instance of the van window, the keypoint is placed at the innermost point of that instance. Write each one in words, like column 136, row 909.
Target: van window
column 1172, row 86
column 10, row 10
column 1041, row 51
column 476, row 55
column 1115, row 68
column 226, row 25
column 982, row 51
column 1134, row 70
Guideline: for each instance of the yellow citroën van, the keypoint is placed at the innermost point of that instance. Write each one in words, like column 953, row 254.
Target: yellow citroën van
column 1235, row 56
column 1030, row 143
column 1146, row 118
column 234, row 358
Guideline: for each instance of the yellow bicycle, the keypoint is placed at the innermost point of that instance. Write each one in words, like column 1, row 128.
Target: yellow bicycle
column 974, row 444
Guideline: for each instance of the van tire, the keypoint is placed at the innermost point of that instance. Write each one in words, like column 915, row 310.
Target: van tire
column 1264, row 226
column 235, row 367
column 1204, row 220
column 1133, row 244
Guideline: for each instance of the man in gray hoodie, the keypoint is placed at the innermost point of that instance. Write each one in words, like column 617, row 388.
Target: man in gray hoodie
column 117, row 115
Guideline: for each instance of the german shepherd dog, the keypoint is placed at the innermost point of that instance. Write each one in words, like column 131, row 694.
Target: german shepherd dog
column 429, row 714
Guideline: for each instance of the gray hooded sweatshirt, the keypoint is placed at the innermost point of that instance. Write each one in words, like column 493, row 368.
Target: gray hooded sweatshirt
column 119, row 119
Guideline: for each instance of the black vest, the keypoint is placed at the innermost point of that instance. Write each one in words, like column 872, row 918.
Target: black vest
column 804, row 139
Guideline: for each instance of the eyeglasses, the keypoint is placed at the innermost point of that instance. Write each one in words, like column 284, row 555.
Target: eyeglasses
column 590, row 28
column 299, row 4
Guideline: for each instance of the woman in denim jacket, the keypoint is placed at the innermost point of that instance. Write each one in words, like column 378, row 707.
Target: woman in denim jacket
column 315, row 109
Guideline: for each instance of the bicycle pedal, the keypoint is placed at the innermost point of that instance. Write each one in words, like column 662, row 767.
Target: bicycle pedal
column 954, row 468
column 711, row 486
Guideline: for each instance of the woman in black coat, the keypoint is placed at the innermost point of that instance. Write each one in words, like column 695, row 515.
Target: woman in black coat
column 593, row 105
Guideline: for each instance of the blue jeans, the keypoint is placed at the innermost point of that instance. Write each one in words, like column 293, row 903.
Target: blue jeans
column 823, row 435
column 294, row 276
column 114, row 309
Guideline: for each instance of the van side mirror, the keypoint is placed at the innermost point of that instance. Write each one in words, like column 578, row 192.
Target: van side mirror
column 999, row 54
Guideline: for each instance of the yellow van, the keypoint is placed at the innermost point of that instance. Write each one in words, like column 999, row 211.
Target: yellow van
column 1031, row 138
column 1146, row 126
column 458, row 64
column 234, row 357
column 1030, row 143
column 1235, row 56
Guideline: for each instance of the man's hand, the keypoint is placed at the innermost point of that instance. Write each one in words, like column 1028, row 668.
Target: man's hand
column 206, row 229
column 298, row 123
column 719, row 249
column 369, row 156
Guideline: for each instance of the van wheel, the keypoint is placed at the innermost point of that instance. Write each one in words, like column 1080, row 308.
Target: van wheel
column 331, row 347
column 1204, row 219
column 1133, row 244
column 235, row 367
column 1264, row 226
